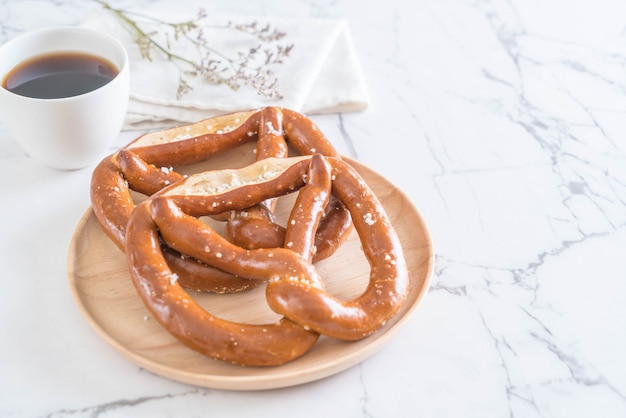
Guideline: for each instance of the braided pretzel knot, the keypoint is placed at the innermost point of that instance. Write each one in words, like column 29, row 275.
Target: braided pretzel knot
column 294, row 288
column 146, row 166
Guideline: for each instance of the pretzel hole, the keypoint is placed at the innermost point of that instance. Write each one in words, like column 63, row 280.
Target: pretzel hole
column 345, row 274
column 247, row 307
column 241, row 156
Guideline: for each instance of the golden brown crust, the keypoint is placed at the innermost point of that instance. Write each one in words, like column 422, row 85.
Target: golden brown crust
column 232, row 342
column 147, row 165
column 295, row 289
column 388, row 283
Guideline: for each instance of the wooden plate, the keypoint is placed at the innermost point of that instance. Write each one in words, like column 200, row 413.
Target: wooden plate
column 103, row 290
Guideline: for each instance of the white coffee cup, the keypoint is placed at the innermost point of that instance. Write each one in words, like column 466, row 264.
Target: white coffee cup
column 71, row 132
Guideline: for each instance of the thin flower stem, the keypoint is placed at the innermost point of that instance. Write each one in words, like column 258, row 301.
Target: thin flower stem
column 140, row 32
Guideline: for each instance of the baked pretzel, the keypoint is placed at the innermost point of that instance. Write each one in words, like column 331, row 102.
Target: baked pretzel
column 294, row 289
column 146, row 166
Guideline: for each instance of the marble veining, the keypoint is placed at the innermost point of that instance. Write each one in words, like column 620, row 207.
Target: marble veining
column 504, row 121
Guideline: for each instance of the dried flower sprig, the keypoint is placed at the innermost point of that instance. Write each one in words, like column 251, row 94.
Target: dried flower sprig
column 252, row 66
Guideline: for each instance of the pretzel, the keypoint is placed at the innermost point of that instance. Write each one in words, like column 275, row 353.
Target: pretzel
column 294, row 287
column 146, row 166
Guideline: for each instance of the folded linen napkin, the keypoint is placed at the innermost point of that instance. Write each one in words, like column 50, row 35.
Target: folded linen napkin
column 320, row 75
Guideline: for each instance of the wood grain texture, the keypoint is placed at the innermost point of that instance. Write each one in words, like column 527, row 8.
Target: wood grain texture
column 102, row 288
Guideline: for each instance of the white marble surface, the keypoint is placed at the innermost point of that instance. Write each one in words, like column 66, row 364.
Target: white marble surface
column 505, row 123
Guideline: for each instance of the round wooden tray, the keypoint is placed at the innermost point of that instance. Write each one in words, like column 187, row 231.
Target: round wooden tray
column 101, row 285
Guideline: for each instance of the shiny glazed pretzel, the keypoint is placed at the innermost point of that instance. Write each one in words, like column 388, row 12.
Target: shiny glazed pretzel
column 294, row 288
column 146, row 166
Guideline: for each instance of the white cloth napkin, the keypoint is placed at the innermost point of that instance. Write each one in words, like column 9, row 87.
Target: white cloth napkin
column 321, row 74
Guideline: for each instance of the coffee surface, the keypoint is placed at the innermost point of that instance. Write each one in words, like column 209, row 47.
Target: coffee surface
column 59, row 75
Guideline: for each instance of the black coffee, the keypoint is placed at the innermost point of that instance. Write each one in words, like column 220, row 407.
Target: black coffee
column 58, row 75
